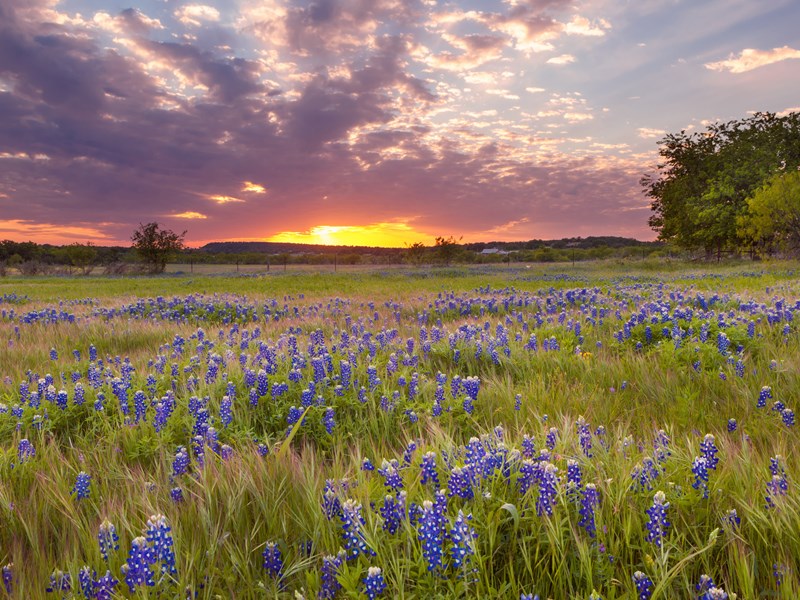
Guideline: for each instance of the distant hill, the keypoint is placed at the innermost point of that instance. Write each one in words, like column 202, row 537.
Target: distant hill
column 289, row 248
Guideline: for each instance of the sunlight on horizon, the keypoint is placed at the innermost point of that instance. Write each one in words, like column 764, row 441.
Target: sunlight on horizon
column 385, row 235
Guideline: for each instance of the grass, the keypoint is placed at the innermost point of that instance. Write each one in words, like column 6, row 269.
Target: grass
column 264, row 477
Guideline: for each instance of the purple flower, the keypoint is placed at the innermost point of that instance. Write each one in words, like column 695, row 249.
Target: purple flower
column 430, row 530
column 643, row 584
column 107, row 538
column 273, row 561
column 137, row 570
column 352, row 533
column 548, row 488
column 461, row 535
column 589, row 501
column 329, row 576
column 393, row 512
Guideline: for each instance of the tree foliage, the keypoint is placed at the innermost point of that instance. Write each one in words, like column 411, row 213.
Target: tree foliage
column 447, row 249
column 772, row 220
column 156, row 246
column 700, row 189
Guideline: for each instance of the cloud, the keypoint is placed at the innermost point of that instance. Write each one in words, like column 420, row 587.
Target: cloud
column 750, row 58
column 534, row 90
column 196, row 14
column 582, row 26
column 563, row 59
column 189, row 214
column 649, row 133
column 221, row 199
column 254, row 188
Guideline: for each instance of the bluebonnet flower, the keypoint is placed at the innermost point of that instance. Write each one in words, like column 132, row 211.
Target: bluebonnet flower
column 548, row 488
column 408, row 453
column 472, row 386
column 176, row 494
column 723, row 343
column 86, row 580
column 53, row 354
column 80, row 394
column 518, row 402
column 366, row 465
column 159, row 537
column 778, row 406
column 700, row 471
column 140, row 406
column 778, row 572
column 330, row 585
column 59, row 582
column 524, row 596
column 529, row 474
column 137, row 569
column 764, row 395
column 705, row 584
column 584, row 436
column 709, row 450
column 430, row 530
column 8, row 577
column 225, row 451
column 62, row 399
column 180, row 463
column 352, row 534
column 645, row 474
column 461, row 535
column 331, row 504
column 574, row 480
column 328, row 420
column 661, row 446
column 657, row 525
column 428, row 468
column 391, row 475
column 589, row 501
column 787, row 414
column 732, row 425
column 550, row 439
column 225, row 411
column 730, row 519
column 107, row 538
column 460, row 483
column 104, row 587
column 528, row 446
column 81, row 487
column 643, row 584
column 393, row 512
column 273, row 561
column 25, row 450
column 374, row 584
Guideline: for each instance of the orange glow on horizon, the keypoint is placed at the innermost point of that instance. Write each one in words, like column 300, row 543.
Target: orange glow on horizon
column 52, row 233
column 384, row 235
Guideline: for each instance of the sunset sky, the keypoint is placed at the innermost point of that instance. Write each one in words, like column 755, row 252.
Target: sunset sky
column 375, row 122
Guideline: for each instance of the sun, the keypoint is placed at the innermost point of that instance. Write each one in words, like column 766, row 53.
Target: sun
column 384, row 235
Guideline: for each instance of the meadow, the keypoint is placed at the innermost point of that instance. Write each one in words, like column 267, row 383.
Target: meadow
column 615, row 431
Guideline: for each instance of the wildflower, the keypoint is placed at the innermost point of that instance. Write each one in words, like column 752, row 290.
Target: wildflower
column 764, row 395
column 461, row 535
column 700, row 470
column 430, row 530
column 273, row 561
column 137, row 568
column 548, row 488
column 159, row 537
column 730, row 519
column 732, row 425
column 104, row 587
column 589, row 500
column 8, row 577
column 787, row 414
column 658, row 524
column 81, row 487
column 176, row 494
column 59, row 582
column 108, row 538
column 550, row 439
column 86, row 580
column 393, row 511
column 329, row 576
column 460, row 483
column 181, row 462
column 366, row 465
column 709, row 450
column 584, row 436
column 574, row 477
column 374, row 583
column 643, row 585
column 428, row 468
column 25, row 450
column 391, row 475
column 225, row 411
column 353, row 536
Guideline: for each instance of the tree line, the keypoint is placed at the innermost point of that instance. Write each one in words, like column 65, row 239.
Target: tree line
column 733, row 188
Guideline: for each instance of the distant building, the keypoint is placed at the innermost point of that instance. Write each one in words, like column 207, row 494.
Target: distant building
column 493, row 251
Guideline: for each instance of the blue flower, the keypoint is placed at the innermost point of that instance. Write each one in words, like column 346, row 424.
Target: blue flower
column 8, row 577
column 548, row 488
column 137, row 569
column 59, row 582
column 225, row 411
column 25, row 450
column 352, row 532
column 589, row 501
column 657, row 525
column 428, row 468
column 159, row 537
column 374, row 584
column 643, row 584
column 329, row 576
column 430, row 530
column 273, row 561
column 393, row 512
column 700, row 471
column 107, row 538
column 81, row 487
column 391, row 475
column 461, row 535
column 709, row 451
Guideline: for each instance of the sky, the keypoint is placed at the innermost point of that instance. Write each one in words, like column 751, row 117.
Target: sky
column 366, row 122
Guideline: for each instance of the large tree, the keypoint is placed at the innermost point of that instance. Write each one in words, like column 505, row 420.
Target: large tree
column 156, row 246
column 700, row 188
column 772, row 220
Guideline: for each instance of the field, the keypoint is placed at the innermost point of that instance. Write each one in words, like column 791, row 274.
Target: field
column 615, row 431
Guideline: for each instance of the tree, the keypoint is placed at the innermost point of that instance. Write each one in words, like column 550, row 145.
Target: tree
column 772, row 220
column 156, row 246
column 701, row 187
column 447, row 249
column 415, row 253
column 81, row 256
